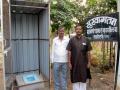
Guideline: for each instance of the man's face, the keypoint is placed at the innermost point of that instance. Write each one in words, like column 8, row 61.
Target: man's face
column 61, row 32
column 78, row 30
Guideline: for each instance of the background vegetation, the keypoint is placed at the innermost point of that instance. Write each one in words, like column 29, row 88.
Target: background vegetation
column 69, row 12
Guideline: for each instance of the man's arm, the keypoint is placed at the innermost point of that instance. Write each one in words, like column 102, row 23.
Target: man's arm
column 89, row 48
column 89, row 59
column 69, row 59
column 68, row 48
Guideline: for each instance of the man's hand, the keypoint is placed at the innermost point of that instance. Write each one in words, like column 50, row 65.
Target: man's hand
column 70, row 66
column 88, row 65
column 89, row 59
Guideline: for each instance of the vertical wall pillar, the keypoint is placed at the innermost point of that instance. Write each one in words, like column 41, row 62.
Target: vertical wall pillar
column 118, row 74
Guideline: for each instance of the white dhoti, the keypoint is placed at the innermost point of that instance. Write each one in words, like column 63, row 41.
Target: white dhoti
column 79, row 86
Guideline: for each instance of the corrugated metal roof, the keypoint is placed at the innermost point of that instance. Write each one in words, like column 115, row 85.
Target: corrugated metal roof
column 25, row 6
column 29, row 2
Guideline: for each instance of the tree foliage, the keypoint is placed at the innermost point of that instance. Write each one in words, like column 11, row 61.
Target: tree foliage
column 66, row 13
column 61, row 14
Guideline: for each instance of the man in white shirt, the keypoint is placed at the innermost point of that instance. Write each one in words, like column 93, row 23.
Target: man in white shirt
column 59, row 60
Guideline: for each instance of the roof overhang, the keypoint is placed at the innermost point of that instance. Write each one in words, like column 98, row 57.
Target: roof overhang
column 25, row 6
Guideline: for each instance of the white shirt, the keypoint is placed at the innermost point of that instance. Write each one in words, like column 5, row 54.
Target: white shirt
column 59, row 52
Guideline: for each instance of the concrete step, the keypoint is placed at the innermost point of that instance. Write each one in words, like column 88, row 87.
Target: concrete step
column 19, row 82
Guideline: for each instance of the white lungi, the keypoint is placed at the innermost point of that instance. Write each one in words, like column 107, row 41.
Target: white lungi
column 79, row 86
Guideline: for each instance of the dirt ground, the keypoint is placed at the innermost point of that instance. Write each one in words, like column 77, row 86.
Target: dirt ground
column 99, row 81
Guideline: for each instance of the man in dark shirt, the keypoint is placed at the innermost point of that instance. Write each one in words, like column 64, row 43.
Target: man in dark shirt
column 79, row 59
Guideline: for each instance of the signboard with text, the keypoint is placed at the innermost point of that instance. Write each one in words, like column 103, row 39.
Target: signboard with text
column 102, row 27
